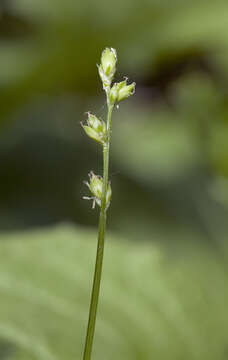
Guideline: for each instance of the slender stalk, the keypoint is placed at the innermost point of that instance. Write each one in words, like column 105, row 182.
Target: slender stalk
column 100, row 244
column 99, row 187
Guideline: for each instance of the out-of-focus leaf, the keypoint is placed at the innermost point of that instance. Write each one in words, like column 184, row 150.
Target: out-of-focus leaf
column 155, row 303
column 219, row 148
column 186, row 25
column 154, row 146
column 70, row 36
column 219, row 190
column 197, row 94
column 17, row 62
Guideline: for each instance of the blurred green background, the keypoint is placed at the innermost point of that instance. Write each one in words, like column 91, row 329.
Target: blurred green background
column 164, row 290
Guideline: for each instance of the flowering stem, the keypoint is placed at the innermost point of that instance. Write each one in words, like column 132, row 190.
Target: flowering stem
column 100, row 243
column 100, row 188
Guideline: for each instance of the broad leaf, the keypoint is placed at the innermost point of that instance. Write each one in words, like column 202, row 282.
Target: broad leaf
column 155, row 303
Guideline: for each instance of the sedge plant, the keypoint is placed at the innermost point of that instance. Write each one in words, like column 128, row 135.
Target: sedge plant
column 100, row 187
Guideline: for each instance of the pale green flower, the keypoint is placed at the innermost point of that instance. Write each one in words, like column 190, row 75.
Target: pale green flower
column 107, row 67
column 95, row 186
column 95, row 128
column 121, row 91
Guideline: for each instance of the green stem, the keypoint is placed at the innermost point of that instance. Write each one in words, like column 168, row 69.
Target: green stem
column 100, row 244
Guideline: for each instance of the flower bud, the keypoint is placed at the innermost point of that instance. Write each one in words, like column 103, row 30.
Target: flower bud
column 94, row 122
column 107, row 67
column 96, row 186
column 114, row 92
column 121, row 91
column 126, row 91
column 95, row 128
